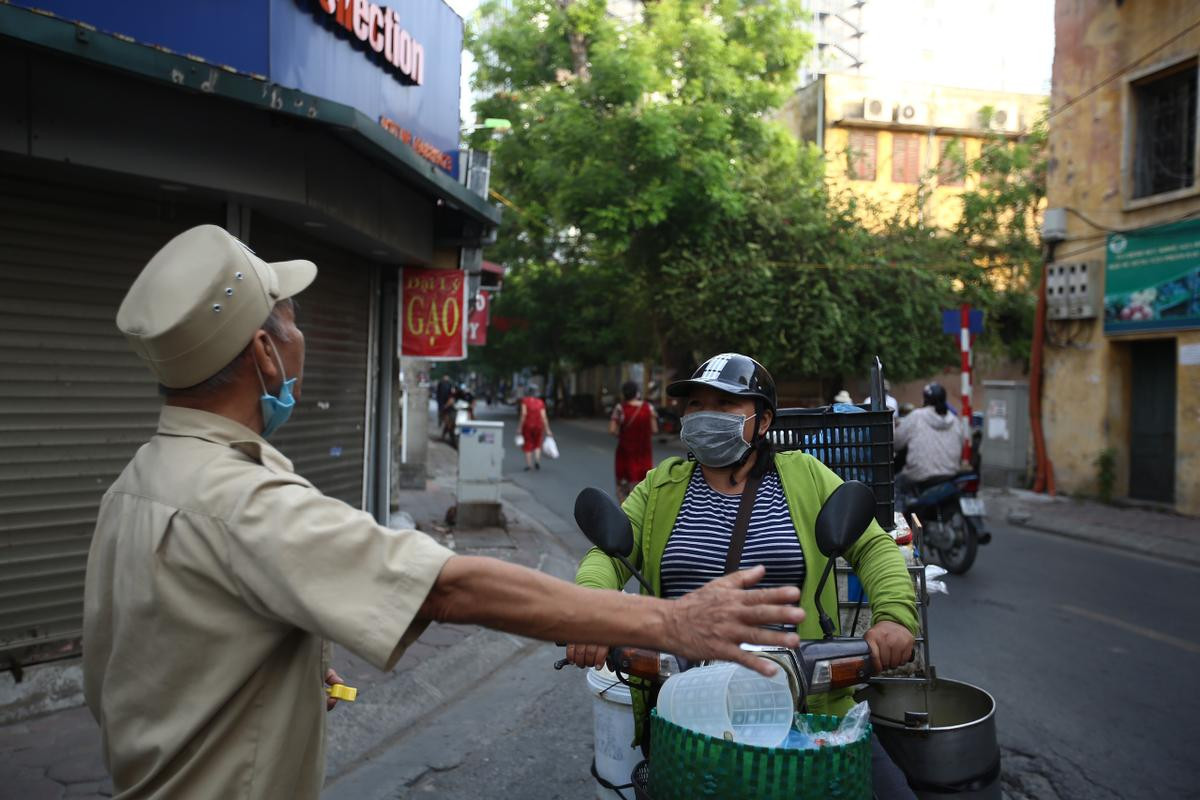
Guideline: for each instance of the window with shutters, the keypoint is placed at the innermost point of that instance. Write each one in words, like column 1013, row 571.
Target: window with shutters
column 1163, row 106
column 952, row 164
column 906, row 157
column 861, row 155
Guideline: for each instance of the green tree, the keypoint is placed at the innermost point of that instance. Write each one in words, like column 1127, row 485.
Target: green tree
column 633, row 144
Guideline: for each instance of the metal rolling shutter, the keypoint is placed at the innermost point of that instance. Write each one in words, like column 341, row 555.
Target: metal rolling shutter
column 75, row 403
column 326, row 435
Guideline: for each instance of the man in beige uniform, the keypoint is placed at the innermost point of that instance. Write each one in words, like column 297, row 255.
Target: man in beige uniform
column 216, row 573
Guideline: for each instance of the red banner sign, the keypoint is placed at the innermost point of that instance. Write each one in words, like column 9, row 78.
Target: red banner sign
column 432, row 319
column 477, row 322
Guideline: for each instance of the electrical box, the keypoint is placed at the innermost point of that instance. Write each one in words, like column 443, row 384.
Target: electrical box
column 1004, row 451
column 480, row 461
column 1072, row 290
column 1054, row 225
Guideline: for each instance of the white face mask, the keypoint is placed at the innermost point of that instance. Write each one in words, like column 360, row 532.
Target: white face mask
column 715, row 437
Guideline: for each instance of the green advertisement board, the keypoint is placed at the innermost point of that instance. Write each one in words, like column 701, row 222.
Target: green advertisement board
column 1152, row 278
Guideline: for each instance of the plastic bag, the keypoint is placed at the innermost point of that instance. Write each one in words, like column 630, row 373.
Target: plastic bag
column 849, row 730
column 519, row 441
column 550, row 447
column 932, row 574
column 852, row 726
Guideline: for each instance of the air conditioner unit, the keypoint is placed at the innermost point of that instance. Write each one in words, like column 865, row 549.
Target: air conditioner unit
column 1006, row 117
column 912, row 113
column 877, row 109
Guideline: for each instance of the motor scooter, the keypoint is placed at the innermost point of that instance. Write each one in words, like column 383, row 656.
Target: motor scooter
column 814, row 667
column 950, row 508
column 954, row 519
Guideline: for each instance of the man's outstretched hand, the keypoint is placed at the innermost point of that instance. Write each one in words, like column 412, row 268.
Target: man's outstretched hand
column 714, row 620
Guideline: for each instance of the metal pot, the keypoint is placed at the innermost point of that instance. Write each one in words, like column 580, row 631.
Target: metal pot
column 946, row 748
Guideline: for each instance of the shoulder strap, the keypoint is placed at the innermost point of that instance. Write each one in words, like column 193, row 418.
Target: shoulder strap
column 733, row 558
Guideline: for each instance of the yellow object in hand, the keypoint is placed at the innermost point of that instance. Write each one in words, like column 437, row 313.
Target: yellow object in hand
column 340, row 691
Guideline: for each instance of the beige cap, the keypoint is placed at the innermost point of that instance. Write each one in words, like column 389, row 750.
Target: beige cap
column 199, row 301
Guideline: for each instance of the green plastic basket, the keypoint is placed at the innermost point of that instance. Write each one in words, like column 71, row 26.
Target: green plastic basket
column 685, row 764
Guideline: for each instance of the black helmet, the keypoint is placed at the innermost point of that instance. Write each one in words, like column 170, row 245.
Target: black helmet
column 934, row 394
column 733, row 373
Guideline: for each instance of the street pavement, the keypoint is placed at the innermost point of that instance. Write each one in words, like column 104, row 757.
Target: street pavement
column 1088, row 648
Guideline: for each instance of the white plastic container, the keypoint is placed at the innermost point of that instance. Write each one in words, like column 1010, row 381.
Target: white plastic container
column 729, row 701
column 612, row 731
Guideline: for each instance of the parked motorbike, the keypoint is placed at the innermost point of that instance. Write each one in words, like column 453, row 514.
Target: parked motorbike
column 815, row 666
column 954, row 519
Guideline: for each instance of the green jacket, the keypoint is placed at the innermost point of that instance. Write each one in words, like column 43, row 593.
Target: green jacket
column 655, row 503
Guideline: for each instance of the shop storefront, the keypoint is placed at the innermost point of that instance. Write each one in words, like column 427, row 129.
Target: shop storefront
column 319, row 129
column 1151, row 299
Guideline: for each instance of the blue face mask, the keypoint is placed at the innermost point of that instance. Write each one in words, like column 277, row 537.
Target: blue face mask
column 276, row 410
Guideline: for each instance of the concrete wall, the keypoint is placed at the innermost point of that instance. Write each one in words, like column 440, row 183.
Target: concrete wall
column 1087, row 374
column 801, row 113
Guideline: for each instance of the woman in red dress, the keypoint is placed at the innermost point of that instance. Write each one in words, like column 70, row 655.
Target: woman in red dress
column 634, row 423
column 534, row 426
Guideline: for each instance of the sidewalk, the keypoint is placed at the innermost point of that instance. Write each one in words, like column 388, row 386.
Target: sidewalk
column 1157, row 534
column 58, row 755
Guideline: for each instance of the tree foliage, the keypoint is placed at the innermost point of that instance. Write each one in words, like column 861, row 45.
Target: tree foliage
column 655, row 210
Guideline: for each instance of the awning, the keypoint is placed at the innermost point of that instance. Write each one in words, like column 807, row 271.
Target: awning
column 190, row 73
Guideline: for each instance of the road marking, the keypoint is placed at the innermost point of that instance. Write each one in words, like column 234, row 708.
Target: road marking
column 1149, row 633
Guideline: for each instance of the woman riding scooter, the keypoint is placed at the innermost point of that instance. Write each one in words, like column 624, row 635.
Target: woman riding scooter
column 683, row 516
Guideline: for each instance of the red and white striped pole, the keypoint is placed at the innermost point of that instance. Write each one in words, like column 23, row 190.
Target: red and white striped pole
column 965, row 351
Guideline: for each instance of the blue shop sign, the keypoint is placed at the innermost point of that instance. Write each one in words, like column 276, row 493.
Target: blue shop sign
column 397, row 64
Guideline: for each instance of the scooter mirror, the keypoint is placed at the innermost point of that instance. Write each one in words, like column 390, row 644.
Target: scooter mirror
column 603, row 523
column 844, row 517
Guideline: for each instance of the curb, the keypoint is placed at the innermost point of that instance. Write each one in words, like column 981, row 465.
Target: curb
column 1175, row 559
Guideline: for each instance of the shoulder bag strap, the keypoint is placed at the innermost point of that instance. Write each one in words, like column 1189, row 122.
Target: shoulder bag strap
column 733, row 558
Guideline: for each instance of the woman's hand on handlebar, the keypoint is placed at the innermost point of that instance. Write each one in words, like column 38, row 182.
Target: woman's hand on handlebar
column 587, row 655
column 891, row 644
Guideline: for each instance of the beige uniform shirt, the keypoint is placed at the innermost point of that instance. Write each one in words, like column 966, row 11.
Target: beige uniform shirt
column 214, row 576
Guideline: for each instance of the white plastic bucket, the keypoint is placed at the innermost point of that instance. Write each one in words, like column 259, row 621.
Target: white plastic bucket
column 612, row 731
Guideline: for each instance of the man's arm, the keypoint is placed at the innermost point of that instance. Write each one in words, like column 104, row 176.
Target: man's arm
column 709, row 623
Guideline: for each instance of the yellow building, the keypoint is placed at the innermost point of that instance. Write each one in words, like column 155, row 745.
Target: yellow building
column 1122, row 357
column 884, row 139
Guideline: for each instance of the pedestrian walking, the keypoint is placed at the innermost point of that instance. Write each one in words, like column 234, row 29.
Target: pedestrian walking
column 216, row 573
column 444, row 394
column 634, row 423
column 534, row 426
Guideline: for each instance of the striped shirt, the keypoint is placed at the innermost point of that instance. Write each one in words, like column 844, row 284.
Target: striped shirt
column 699, row 542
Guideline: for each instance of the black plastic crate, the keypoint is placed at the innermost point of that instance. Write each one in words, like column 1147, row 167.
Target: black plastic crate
column 858, row 447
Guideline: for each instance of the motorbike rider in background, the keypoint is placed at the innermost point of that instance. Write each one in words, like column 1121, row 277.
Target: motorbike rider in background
column 933, row 439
